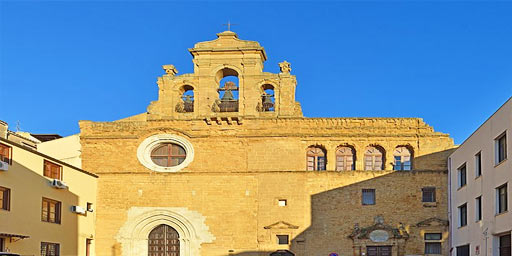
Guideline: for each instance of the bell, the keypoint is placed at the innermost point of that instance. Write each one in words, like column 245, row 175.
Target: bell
column 188, row 99
column 267, row 99
column 228, row 96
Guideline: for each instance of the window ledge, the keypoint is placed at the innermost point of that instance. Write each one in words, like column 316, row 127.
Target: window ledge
column 479, row 176
column 502, row 161
column 462, row 227
column 461, row 187
column 429, row 204
column 500, row 213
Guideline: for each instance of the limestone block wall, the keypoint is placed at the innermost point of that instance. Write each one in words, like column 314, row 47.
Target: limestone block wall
column 324, row 206
column 241, row 170
column 263, row 144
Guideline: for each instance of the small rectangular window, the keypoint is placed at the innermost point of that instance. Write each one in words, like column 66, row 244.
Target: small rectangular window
column 52, row 170
column 282, row 239
column 282, row 202
column 51, row 211
column 433, row 243
column 433, row 236
column 502, row 199
column 478, row 164
column 463, row 215
column 505, row 247
column 462, row 175
column 429, row 194
column 5, row 199
column 50, row 249
column 501, row 148
column 478, row 208
column 368, row 196
column 5, row 153
column 89, row 207
column 463, row 250
column 2, row 244
column 433, row 248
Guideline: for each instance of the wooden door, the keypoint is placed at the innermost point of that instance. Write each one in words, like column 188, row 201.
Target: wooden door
column 164, row 241
column 378, row 250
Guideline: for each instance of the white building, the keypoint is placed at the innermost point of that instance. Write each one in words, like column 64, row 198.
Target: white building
column 479, row 189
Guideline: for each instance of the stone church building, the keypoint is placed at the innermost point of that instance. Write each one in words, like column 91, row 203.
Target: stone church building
column 224, row 163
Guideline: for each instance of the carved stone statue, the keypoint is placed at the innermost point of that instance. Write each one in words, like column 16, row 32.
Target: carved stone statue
column 170, row 70
column 180, row 107
column 259, row 107
column 285, row 67
column 216, row 106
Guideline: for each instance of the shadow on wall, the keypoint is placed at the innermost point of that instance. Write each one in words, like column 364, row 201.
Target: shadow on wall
column 274, row 253
column 433, row 161
column 337, row 213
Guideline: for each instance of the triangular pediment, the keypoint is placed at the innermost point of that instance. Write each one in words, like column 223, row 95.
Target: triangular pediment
column 432, row 222
column 281, row 225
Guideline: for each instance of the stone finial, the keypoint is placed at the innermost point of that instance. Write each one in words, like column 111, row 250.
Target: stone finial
column 170, row 70
column 285, row 67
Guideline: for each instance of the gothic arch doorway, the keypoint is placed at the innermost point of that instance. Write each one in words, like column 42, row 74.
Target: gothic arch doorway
column 164, row 241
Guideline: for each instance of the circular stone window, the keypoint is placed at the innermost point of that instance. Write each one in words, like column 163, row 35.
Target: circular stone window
column 165, row 153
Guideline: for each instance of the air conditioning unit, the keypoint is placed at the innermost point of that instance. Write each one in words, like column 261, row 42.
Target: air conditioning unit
column 59, row 184
column 4, row 166
column 77, row 209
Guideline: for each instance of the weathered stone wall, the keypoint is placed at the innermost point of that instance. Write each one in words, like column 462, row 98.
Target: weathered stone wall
column 263, row 144
column 239, row 173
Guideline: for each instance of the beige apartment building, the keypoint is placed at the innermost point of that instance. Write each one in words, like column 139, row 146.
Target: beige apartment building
column 479, row 189
column 47, row 206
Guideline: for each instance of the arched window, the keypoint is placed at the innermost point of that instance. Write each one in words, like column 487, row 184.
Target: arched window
column 373, row 158
column 402, row 159
column 267, row 103
column 164, row 240
column 187, row 100
column 315, row 159
column 345, row 158
column 228, row 91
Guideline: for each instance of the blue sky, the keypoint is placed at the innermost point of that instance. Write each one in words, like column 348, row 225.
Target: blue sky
column 449, row 63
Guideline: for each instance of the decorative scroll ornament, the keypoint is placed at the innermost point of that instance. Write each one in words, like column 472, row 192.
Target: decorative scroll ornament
column 170, row 70
column 379, row 231
column 285, row 67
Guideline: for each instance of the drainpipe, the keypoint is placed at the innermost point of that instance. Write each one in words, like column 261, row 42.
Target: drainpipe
column 450, row 204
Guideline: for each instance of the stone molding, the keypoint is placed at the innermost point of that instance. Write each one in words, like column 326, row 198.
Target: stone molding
column 146, row 147
column 190, row 225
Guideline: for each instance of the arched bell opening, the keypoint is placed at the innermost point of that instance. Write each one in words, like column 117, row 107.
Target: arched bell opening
column 228, row 91
column 267, row 103
column 186, row 102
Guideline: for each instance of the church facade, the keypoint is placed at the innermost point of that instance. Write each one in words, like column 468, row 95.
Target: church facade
column 224, row 163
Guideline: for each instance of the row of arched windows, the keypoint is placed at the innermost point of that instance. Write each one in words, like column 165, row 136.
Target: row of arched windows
column 374, row 158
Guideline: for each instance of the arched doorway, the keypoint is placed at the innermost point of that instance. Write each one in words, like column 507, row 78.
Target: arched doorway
column 164, row 241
